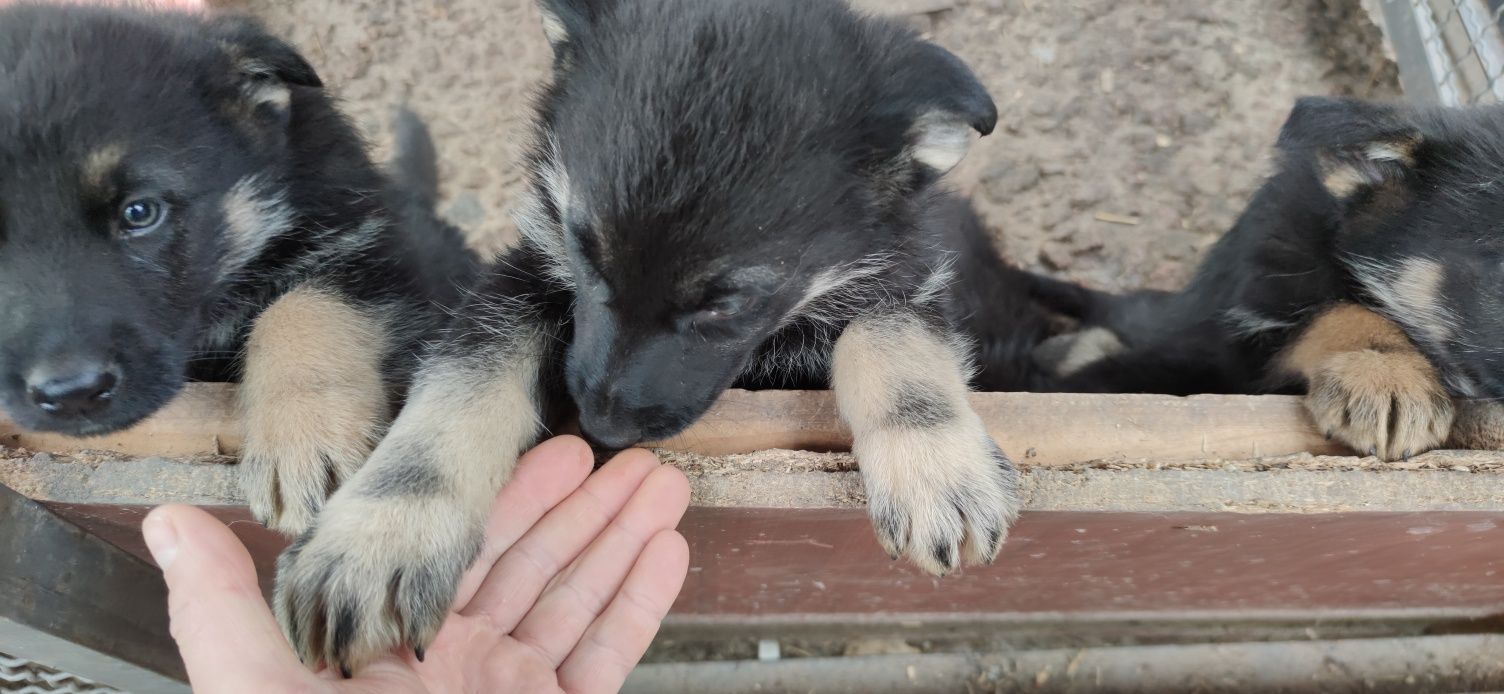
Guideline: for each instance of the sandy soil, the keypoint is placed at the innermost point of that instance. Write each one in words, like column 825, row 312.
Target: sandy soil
column 1132, row 131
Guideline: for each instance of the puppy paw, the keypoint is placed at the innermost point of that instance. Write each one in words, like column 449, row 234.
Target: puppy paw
column 1388, row 404
column 298, row 450
column 375, row 574
column 938, row 500
column 1478, row 426
column 1064, row 355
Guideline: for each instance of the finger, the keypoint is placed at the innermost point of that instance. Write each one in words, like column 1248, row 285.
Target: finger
column 224, row 630
column 616, row 641
column 521, row 574
column 555, row 624
column 545, row 476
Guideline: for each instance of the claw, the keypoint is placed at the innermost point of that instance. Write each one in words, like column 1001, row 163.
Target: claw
column 344, row 671
column 1330, row 434
column 418, row 653
column 943, row 555
column 1373, row 450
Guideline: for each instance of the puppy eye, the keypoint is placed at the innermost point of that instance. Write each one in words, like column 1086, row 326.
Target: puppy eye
column 724, row 308
column 140, row 217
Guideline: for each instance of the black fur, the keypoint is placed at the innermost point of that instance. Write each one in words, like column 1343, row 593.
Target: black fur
column 185, row 108
column 702, row 164
column 1362, row 190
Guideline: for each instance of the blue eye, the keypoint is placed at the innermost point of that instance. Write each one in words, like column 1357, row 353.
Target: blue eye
column 143, row 216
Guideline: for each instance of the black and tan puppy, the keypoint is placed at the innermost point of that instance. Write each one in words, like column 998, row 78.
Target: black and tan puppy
column 1367, row 271
column 179, row 199
column 725, row 192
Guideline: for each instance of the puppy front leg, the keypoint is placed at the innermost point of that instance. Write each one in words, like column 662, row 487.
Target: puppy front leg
column 313, row 403
column 1367, row 384
column 939, row 489
column 382, row 564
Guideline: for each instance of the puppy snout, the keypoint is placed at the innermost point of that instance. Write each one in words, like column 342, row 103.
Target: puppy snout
column 608, row 425
column 73, row 388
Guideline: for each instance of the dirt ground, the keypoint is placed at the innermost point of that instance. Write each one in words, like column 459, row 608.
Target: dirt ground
column 1131, row 132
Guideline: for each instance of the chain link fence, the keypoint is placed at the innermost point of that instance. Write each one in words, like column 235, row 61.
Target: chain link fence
column 1449, row 52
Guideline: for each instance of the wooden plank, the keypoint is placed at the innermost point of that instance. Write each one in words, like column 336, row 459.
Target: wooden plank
column 779, row 570
column 1043, row 428
column 79, row 604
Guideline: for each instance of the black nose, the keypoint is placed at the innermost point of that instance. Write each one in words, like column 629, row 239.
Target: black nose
column 607, row 435
column 83, row 390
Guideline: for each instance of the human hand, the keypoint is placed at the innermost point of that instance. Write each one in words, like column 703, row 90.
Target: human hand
column 577, row 573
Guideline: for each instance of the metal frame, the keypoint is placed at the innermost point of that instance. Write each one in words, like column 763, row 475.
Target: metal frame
column 1450, row 52
column 76, row 603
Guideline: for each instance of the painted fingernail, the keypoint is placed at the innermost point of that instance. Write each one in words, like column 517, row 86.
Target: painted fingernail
column 161, row 540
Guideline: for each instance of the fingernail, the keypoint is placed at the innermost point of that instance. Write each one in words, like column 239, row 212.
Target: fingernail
column 161, row 540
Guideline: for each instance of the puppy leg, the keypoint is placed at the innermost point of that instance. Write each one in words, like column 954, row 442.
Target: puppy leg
column 1479, row 426
column 939, row 489
column 313, row 403
column 1367, row 384
column 381, row 566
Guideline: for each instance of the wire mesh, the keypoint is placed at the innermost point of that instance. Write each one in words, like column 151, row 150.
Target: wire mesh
column 1449, row 51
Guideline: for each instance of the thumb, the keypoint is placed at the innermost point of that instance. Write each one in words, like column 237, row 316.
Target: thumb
column 226, row 634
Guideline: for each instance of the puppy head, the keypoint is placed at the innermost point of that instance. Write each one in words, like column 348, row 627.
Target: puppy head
column 1419, row 196
column 713, row 165
column 139, row 156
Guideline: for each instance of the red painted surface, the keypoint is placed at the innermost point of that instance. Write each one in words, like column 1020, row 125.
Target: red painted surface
column 774, row 563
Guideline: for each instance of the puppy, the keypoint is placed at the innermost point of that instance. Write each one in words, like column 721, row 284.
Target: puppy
column 725, row 192
column 1365, row 272
column 179, row 199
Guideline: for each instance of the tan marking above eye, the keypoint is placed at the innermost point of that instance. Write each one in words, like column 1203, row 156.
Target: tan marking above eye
column 100, row 164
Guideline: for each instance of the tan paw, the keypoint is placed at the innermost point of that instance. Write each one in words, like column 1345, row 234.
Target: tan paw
column 296, row 454
column 938, row 500
column 378, row 571
column 1478, row 426
column 313, row 402
column 1387, row 404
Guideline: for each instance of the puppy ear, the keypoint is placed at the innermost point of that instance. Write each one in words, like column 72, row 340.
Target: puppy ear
column 943, row 103
column 265, row 70
column 565, row 21
column 259, row 55
column 1355, row 146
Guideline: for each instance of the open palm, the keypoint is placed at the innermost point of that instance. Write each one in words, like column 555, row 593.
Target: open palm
column 576, row 575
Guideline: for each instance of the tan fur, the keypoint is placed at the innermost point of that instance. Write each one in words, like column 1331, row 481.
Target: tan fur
column 1342, row 182
column 98, row 166
column 1076, row 351
column 940, row 140
column 916, row 477
column 1342, row 178
column 1478, row 426
column 1414, row 294
column 466, row 422
column 313, row 401
column 1367, row 384
column 253, row 217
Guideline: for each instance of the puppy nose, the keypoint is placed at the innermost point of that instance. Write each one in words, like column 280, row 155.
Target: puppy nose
column 81, row 390
column 604, row 434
